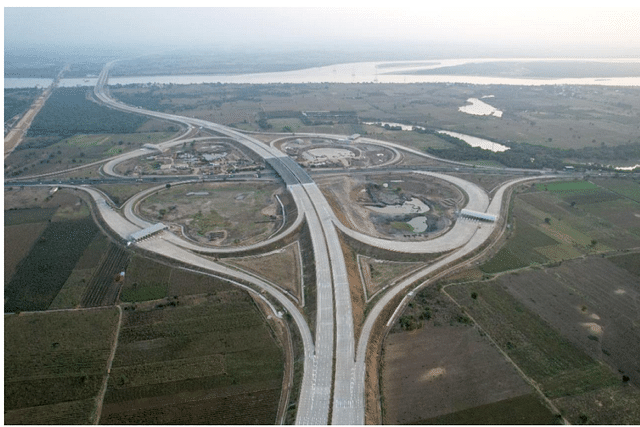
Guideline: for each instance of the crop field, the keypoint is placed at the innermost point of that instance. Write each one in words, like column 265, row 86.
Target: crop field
column 145, row 280
column 18, row 241
column 448, row 369
column 184, row 282
column 207, row 360
column 43, row 272
column 70, row 296
column 591, row 303
column 218, row 214
column 567, row 186
column 521, row 410
column 629, row 262
column 564, row 221
column 626, row 188
column 49, row 156
column 281, row 267
column 517, row 252
column 28, row 216
column 104, row 286
column 596, row 213
column 560, row 367
column 54, row 364
column 608, row 406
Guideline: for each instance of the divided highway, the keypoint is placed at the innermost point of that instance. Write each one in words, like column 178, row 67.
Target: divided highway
column 324, row 386
column 331, row 279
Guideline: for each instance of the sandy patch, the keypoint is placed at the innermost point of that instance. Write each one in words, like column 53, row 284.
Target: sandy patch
column 434, row 373
column 594, row 328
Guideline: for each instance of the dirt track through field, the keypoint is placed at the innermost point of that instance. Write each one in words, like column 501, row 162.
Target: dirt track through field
column 103, row 389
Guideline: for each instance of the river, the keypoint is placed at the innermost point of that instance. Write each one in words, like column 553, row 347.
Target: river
column 365, row 72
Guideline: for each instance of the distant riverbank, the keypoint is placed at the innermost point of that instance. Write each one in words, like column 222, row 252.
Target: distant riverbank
column 394, row 72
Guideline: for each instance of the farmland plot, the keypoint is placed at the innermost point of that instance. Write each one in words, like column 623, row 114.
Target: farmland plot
column 551, row 360
column 18, row 241
column 145, row 280
column 55, row 363
column 448, row 371
column 564, row 372
column 196, row 361
column 70, row 296
column 590, row 302
column 43, row 272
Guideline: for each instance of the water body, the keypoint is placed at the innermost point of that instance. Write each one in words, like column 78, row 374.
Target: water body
column 87, row 81
column 371, row 72
column 21, row 83
column 382, row 124
column 480, row 108
column 419, row 224
column 412, row 206
column 473, row 141
column 627, row 168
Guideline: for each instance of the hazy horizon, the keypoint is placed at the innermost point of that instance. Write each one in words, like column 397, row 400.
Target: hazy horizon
column 406, row 32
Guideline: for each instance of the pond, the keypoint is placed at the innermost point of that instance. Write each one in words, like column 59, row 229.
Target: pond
column 419, row 224
column 474, row 141
column 414, row 205
column 480, row 108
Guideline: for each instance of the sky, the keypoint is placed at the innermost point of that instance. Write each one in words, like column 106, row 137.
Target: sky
column 604, row 31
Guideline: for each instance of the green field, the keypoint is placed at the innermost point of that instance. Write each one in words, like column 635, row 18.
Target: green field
column 565, row 220
column 54, row 365
column 193, row 362
column 624, row 187
column 561, row 187
column 527, row 409
column 70, row 295
column 26, row 216
column 43, row 272
column 145, row 280
column 517, row 252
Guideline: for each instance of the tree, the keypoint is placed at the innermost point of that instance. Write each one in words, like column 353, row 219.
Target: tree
column 168, row 185
column 547, row 220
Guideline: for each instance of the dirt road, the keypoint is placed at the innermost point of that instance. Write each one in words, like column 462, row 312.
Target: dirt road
column 16, row 135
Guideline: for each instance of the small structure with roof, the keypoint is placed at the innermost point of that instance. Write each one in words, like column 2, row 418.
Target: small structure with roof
column 146, row 232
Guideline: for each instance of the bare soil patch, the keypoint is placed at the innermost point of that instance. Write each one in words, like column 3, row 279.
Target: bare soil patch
column 444, row 367
column 356, row 290
column 217, row 214
column 282, row 267
column 381, row 191
column 378, row 274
